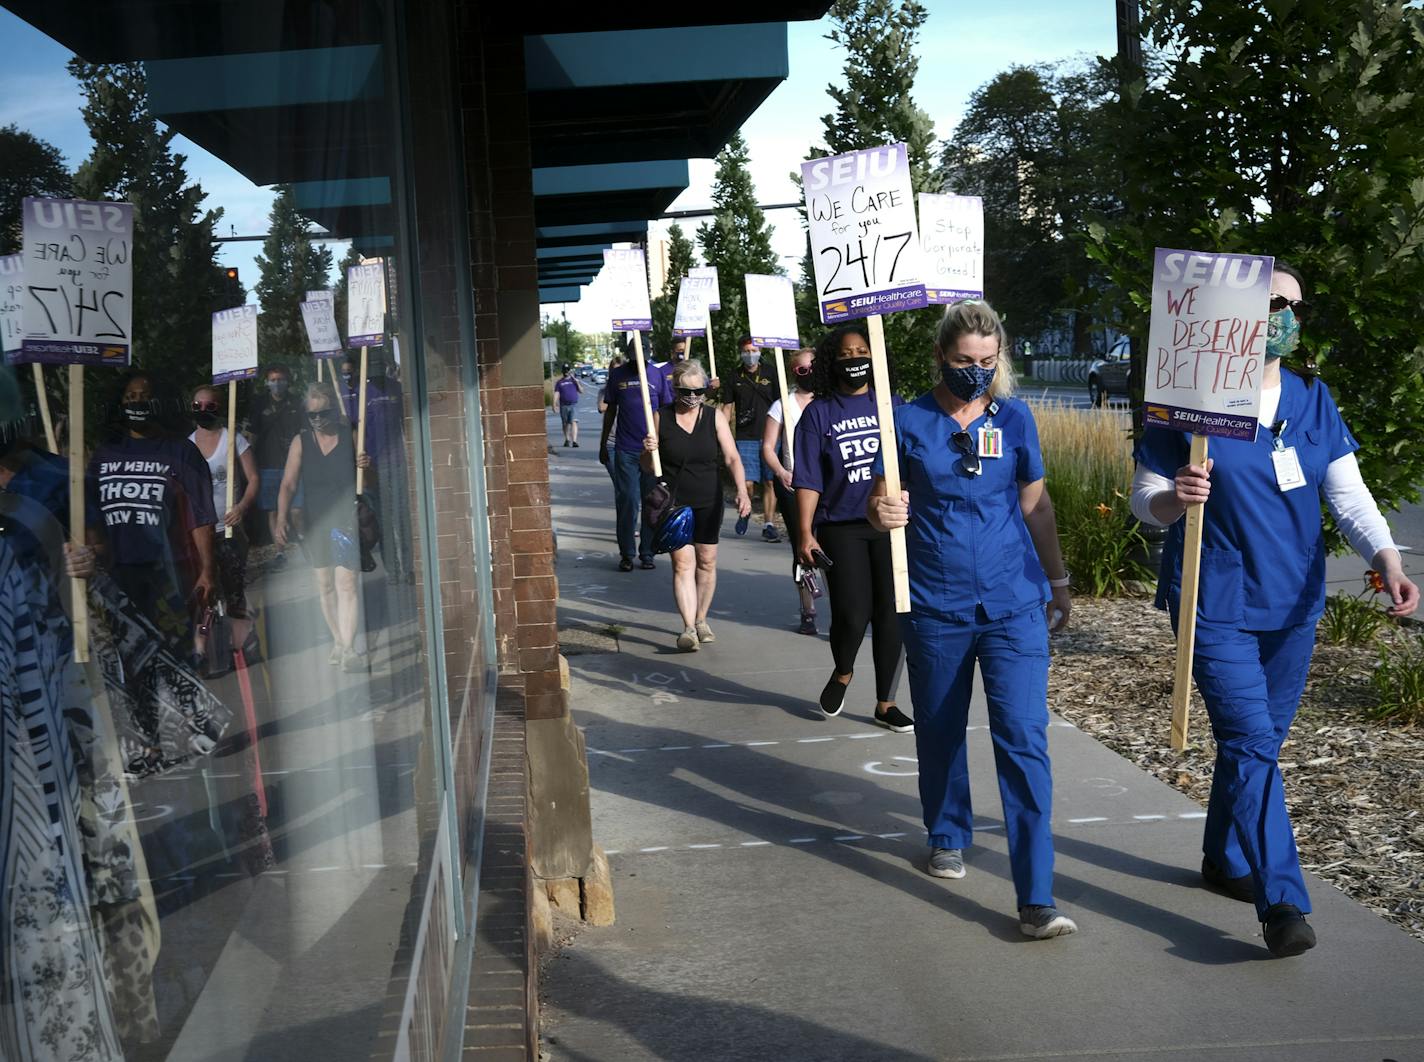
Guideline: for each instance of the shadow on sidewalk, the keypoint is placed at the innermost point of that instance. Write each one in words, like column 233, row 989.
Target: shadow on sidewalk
column 673, row 1026
column 815, row 799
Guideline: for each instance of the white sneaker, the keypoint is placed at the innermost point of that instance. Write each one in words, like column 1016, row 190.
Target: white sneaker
column 687, row 640
column 1043, row 923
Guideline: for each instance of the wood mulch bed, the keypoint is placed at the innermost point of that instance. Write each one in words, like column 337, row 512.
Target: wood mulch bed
column 1355, row 787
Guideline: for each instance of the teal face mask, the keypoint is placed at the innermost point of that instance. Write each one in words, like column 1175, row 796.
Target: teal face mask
column 1282, row 333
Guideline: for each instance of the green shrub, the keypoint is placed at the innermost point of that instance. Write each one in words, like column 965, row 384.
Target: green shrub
column 1088, row 459
column 1351, row 620
column 1398, row 680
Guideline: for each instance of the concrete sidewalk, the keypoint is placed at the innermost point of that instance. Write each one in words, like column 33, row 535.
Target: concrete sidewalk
column 768, row 863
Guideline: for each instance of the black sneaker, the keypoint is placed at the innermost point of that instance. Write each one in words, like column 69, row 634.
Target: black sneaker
column 1286, row 931
column 626, row 564
column 894, row 719
column 566, row 442
column 1242, row 888
column 575, row 445
column 833, row 697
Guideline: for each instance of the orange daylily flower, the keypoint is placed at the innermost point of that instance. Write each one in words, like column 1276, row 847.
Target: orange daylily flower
column 1375, row 581
column 1104, row 510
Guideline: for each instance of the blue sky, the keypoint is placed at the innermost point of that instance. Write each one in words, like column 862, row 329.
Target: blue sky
column 962, row 46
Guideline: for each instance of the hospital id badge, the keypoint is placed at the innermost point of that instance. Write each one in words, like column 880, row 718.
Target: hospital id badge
column 1288, row 472
column 991, row 442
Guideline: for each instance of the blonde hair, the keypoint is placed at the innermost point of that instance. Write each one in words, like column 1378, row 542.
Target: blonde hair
column 975, row 317
column 689, row 367
column 322, row 389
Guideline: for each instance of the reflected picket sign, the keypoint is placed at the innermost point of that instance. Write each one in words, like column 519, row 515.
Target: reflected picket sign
column 714, row 302
column 1205, row 354
column 952, row 245
column 12, row 291
column 624, row 283
column 319, row 321
column 771, row 314
column 76, row 260
column 234, row 358
column 365, row 328
column 865, row 246
column 692, row 316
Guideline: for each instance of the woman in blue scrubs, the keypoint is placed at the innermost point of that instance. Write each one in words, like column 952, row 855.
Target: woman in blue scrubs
column 981, row 534
column 1262, row 591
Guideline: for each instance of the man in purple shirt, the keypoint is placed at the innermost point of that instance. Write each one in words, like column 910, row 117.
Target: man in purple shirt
column 624, row 402
column 566, row 395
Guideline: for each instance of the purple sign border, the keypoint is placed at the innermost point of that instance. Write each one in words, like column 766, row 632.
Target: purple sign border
column 907, row 297
column 948, row 296
column 690, row 333
column 376, row 340
column 63, row 352
column 772, row 341
column 1196, row 422
column 633, row 324
column 236, row 374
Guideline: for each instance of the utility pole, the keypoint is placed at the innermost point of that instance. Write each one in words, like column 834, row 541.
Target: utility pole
column 1129, row 56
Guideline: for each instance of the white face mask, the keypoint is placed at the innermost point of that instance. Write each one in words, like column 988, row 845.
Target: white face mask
column 751, row 360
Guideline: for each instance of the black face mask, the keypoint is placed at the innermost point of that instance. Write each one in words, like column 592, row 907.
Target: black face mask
column 853, row 372
column 139, row 414
column 322, row 419
column 206, row 420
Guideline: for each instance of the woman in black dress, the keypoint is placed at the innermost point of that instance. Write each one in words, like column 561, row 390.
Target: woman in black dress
column 323, row 460
column 688, row 439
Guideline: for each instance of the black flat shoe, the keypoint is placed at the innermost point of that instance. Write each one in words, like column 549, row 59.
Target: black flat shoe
column 833, row 697
column 1242, row 888
column 895, row 720
column 625, row 565
column 647, row 564
column 1286, row 931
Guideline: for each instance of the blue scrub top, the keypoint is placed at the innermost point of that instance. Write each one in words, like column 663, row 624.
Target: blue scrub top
column 967, row 541
column 1263, row 549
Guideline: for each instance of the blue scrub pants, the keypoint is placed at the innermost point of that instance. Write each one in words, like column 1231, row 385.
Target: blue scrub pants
column 1251, row 682
column 1013, row 659
column 630, row 483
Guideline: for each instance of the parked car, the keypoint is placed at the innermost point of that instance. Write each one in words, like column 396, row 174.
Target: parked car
column 1110, row 376
column 600, row 377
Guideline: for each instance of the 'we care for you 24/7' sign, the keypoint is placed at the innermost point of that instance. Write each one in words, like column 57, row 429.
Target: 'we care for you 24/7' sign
column 864, row 241
column 1207, row 341
column 78, row 277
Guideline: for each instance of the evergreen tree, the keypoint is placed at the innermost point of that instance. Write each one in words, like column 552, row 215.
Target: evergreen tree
column 28, row 166
column 681, row 258
column 874, row 104
column 290, row 265
column 352, row 257
column 177, row 280
column 736, row 241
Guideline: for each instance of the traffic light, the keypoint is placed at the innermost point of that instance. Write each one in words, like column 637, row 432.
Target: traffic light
column 232, row 287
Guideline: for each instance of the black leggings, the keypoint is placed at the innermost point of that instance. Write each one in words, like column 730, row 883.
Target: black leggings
column 786, row 503
column 862, row 591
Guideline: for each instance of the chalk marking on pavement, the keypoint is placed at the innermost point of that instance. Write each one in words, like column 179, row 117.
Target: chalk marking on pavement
column 704, row 846
column 1148, row 818
column 807, row 741
column 888, row 836
column 1091, row 818
column 754, row 844
column 755, row 744
column 849, row 837
column 1192, row 815
column 656, row 848
column 872, row 734
column 674, row 748
column 723, row 745
column 802, row 840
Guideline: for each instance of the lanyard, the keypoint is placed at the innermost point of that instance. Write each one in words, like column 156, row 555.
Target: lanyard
column 1277, row 430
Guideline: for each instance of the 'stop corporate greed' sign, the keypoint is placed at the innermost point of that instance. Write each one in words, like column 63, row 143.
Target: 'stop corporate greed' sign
column 715, row 302
column 235, row 344
column 625, row 284
column 78, row 299
column 366, row 304
column 693, row 295
column 864, row 241
column 952, row 238
column 1206, row 345
column 771, row 311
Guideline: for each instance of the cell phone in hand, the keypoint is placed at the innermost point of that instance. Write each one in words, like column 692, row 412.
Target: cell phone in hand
column 822, row 561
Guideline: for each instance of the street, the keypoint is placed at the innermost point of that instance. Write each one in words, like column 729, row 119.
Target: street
column 768, row 866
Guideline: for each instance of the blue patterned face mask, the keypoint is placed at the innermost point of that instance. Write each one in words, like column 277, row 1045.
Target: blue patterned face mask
column 967, row 382
column 1282, row 333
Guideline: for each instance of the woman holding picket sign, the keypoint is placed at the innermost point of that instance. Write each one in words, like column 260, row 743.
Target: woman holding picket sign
column 980, row 536
column 689, row 437
column 1261, row 593
column 836, row 442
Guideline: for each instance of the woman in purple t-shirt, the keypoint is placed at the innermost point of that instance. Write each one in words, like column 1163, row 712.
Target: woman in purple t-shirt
column 836, row 444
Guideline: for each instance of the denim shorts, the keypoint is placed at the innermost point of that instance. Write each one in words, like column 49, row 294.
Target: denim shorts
column 271, row 485
column 750, row 452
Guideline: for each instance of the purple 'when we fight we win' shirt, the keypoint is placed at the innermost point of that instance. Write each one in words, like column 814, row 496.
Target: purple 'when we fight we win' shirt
column 837, row 441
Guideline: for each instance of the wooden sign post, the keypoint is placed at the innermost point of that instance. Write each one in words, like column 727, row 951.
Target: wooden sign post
column 361, row 423
column 78, row 588
column 889, row 455
column 57, row 330
column 1206, row 350
column 43, row 400
column 637, row 338
column 231, row 448
column 860, row 211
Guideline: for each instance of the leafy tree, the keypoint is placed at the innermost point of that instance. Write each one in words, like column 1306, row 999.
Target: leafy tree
column 681, row 258
column 177, row 280
column 874, row 104
column 574, row 346
column 1293, row 128
column 736, row 241
column 28, row 166
column 290, row 265
column 1033, row 144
